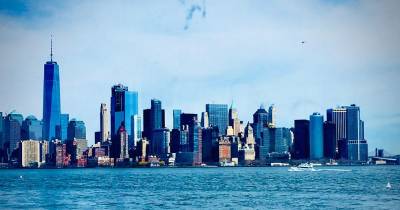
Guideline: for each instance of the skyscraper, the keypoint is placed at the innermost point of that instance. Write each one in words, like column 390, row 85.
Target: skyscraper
column 104, row 123
column 234, row 120
column 338, row 117
column 271, row 116
column 188, row 119
column 357, row 148
column 136, row 131
column 12, row 131
column 124, row 105
column 31, row 128
column 62, row 130
column 218, row 116
column 329, row 140
column 301, row 148
column 76, row 130
column 153, row 118
column 260, row 120
column 316, row 136
column 51, row 98
column 160, row 143
column 204, row 120
column 176, row 118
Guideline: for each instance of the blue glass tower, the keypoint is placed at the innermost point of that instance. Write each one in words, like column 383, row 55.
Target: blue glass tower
column 124, row 105
column 76, row 130
column 51, row 99
column 176, row 118
column 218, row 116
column 12, row 131
column 316, row 136
column 31, row 129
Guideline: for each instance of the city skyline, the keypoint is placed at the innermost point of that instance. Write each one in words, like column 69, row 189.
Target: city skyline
column 176, row 88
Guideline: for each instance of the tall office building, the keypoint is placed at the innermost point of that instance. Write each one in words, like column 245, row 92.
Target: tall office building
column 136, row 131
column 218, row 116
column 62, row 129
column 29, row 153
column 76, row 130
column 234, row 120
column 160, row 143
column 204, row 120
column 51, row 98
column 124, row 105
column 153, row 118
column 301, row 143
column 260, row 121
column 210, row 144
column 329, row 140
column 31, row 128
column 357, row 148
column 338, row 117
column 176, row 118
column 272, row 116
column 12, row 131
column 104, row 123
column 274, row 140
column 316, row 136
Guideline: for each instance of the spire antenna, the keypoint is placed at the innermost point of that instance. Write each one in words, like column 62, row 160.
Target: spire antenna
column 51, row 48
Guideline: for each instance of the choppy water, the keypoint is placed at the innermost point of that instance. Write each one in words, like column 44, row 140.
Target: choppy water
column 212, row 188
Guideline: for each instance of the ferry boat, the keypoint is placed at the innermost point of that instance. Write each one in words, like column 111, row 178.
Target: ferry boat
column 303, row 167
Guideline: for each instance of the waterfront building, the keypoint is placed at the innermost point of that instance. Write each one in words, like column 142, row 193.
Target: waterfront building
column 357, row 148
column 329, row 140
column 104, row 123
column 204, row 120
column 195, row 142
column 274, row 140
column 338, row 117
column 120, row 147
column 234, row 121
column 75, row 148
column 210, row 144
column 124, row 105
column 224, row 149
column 76, row 129
column 175, row 140
column 176, row 113
column 301, row 140
column 247, row 151
column 142, row 149
column 31, row 128
column 51, row 98
column 58, row 150
column 29, row 153
column 160, row 143
column 218, row 116
column 316, row 136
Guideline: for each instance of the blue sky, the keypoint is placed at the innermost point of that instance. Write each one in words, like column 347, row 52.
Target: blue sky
column 245, row 51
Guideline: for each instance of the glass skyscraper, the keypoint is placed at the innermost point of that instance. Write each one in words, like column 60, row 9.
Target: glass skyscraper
column 218, row 116
column 31, row 129
column 62, row 130
column 124, row 105
column 301, row 139
column 51, row 100
column 12, row 131
column 76, row 130
column 316, row 136
column 338, row 117
column 176, row 118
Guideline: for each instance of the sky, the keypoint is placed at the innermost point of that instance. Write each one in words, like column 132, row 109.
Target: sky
column 189, row 53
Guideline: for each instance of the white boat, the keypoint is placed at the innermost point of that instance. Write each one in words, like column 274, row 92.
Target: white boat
column 303, row 167
column 388, row 186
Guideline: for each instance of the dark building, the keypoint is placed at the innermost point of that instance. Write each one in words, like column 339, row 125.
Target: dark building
column 175, row 140
column 12, row 132
column 329, row 140
column 176, row 118
column 301, row 139
column 160, row 143
column 153, row 118
column 260, row 121
column 210, row 145
column 188, row 119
